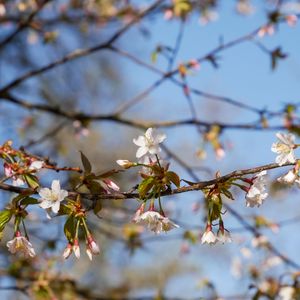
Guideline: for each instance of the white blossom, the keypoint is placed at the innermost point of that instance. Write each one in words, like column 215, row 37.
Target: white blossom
column 224, row 236
column 209, row 237
column 36, row 165
column 266, row 30
column 256, row 194
column 208, row 16
column 289, row 178
column 244, row 7
column 149, row 142
column 52, row 198
column 16, row 180
column 259, row 241
column 20, row 244
column 155, row 221
column 291, row 20
column 284, row 148
column 287, row 293
column 272, row 261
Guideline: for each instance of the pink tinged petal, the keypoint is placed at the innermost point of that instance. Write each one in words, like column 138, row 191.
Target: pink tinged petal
column 141, row 151
column 67, row 252
column 7, row 170
column 55, row 207
column 55, row 186
column 111, row 185
column 46, row 204
column 140, row 141
column 45, row 193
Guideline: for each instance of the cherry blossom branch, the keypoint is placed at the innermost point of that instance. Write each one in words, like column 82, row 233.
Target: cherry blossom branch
column 197, row 186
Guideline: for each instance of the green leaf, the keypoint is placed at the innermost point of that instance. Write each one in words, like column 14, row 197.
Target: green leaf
column 29, row 201
column 95, row 187
column 32, row 181
column 86, row 163
column 228, row 194
column 173, row 177
column 69, row 228
column 5, row 216
column 108, row 173
column 145, row 186
column 21, row 196
column 97, row 207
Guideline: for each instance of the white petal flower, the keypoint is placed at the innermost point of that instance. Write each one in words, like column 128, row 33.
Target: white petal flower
column 149, row 143
column 287, row 293
column 155, row 221
column 208, row 237
column 288, row 178
column 224, row 236
column 256, row 194
column 16, row 180
column 52, row 198
column 284, row 148
column 259, row 241
column 36, row 165
column 21, row 244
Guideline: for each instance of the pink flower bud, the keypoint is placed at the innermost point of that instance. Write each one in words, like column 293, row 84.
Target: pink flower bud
column 92, row 245
column 89, row 253
column 76, row 249
column 68, row 251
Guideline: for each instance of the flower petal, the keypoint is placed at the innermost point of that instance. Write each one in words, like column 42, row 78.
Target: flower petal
column 141, row 151
column 55, row 186
column 55, row 207
column 140, row 141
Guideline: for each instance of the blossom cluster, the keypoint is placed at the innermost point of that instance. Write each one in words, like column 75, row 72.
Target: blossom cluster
column 156, row 179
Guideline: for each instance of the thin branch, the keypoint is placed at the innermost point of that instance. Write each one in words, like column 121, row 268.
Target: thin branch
column 131, row 122
column 81, row 52
column 22, row 25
